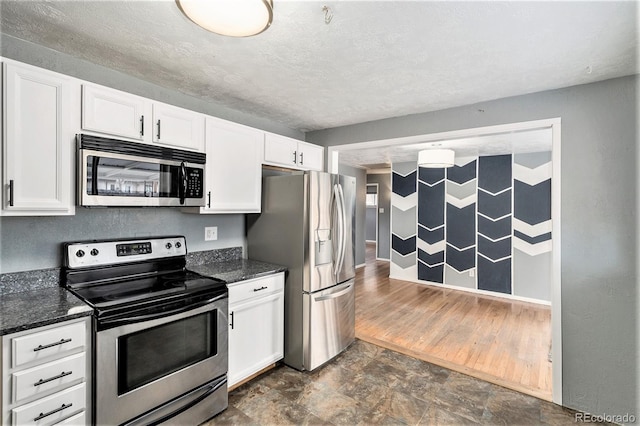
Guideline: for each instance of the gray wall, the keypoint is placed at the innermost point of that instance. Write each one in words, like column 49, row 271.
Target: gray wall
column 361, row 192
column 34, row 243
column 370, row 225
column 384, row 219
column 599, row 224
column 29, row 243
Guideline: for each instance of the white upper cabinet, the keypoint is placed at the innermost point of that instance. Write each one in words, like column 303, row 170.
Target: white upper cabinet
column 310, row 156
column 287, row 152
column 234, row 167
column 38, row 143
column 113, row 112
column 178, row 127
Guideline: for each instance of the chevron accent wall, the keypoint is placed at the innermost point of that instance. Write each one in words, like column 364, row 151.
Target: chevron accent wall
column 431, row 235
column 532, row 225
column 483, row 224
column 404, row 204
column 494, row 213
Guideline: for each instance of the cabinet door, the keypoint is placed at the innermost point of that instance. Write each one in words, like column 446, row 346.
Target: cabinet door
column 310, row 156
column 178, row 127
column 38, row 142
column 112, row 112
column 280, row 150
column 234, row 167
column 256, row 336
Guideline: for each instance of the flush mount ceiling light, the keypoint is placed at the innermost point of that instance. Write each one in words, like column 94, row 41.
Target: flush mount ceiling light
column 436, row 158
column 235, row 18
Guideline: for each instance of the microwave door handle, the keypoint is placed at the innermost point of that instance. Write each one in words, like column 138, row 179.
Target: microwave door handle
column 94, row 174
column 183, row 182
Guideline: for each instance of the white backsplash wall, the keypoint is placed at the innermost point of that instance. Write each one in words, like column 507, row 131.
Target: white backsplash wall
column 28, row 243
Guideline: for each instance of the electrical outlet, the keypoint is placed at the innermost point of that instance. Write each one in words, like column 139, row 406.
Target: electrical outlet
column 210, row 233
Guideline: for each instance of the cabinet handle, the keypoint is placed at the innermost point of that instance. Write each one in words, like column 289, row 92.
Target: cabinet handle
column 51, row 379
column 11, row 193
column 209, row 199
column 261, row 288
column 158, row 129
column 295, row 157
column 301, row 162
column 43, row 415
column 50, row 345
column 231, row 315
column 142, row 125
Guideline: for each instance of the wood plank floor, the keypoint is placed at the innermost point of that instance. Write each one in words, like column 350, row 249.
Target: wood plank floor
column 501, row 341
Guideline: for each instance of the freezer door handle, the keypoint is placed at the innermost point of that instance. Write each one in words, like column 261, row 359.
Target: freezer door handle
column 344, row 290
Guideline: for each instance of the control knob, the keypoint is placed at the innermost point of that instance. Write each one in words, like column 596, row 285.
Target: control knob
column 178, row 244
column 80, row 253
column 168, row 246
column 94, row 252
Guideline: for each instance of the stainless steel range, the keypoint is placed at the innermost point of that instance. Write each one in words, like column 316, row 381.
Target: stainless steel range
column 160, row 349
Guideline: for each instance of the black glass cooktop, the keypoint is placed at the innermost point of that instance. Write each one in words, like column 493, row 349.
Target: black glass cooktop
column 149, row 287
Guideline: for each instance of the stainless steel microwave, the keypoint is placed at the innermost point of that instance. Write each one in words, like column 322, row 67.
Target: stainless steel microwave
column 120, row 173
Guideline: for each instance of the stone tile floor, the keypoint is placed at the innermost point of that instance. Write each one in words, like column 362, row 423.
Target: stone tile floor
column 370, row 385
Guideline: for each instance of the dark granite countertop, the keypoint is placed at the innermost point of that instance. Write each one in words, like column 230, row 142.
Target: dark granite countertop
column 36, row 308
column 237, row 270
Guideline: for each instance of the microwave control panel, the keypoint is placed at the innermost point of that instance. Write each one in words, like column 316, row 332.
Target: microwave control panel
column 195, row 179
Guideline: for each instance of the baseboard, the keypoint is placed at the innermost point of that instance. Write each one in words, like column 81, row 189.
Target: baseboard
column 370, row 241
column 476, row 291
column 383, row 259
column 360, row 265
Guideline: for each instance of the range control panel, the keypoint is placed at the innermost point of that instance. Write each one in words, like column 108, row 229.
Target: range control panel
column 99, row 253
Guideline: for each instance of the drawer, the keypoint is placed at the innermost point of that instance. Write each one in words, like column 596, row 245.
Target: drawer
column 51, row 409
column 43, row 344
column 249, row 289
column 79, row 419
column 48, row 376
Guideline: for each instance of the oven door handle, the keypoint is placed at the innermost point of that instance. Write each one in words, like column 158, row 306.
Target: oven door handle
column 212, row 389
column 157, row 315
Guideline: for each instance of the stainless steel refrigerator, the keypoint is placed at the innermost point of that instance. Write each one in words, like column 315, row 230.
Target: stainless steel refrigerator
column 307, row 224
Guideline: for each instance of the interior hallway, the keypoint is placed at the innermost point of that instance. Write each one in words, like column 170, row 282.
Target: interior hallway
column 498, row 340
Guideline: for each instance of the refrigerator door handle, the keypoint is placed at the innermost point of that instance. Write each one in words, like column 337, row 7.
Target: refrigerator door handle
column 343, row 236
column 335, row 295
column 336, row 236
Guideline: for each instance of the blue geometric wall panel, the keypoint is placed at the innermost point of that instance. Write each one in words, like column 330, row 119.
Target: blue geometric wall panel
column 462, row 174
column 431, row 205
column 403, row 247
column 433, row 274
column 532, row 240
column 532, row 204
column 494, row 230
column 430, row 176
column 431, row 237
column 431, row 259
column 494, row 206
column 461, row 260
column 494, row 276
column 461, row 226
column 403, row 185
column 494, row 173
column 494, row 249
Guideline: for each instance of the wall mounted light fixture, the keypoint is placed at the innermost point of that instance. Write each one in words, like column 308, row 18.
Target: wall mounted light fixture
column 235, row 18
column 436, row 158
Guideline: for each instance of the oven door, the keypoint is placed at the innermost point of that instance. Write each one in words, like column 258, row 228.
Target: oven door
column 143, row 365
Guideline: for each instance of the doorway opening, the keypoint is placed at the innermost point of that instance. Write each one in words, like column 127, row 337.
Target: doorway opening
column 404, row 269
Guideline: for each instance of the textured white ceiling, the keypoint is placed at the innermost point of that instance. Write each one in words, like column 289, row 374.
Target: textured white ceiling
column 491, row 144
column 374, row 60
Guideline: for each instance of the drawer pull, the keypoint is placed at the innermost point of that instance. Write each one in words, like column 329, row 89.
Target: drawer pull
column 50, row 345
column 51, row 379
column 261, row 288
column 43, row 415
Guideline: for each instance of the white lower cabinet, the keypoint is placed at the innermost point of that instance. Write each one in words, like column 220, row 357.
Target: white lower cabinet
column 256, row 325
column 45, row 375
